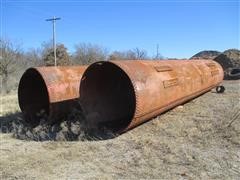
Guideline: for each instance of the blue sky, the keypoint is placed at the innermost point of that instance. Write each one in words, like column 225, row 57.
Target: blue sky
column 181, row 28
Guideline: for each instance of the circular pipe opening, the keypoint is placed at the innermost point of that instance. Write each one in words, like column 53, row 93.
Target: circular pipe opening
column 33, row 96
column 107, row 97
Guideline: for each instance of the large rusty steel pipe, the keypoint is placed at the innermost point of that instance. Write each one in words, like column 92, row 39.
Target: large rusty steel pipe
column 49, row 91
column 120, row 95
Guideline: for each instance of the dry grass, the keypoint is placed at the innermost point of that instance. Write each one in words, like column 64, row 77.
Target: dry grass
column 8, row 104
column 199, row 140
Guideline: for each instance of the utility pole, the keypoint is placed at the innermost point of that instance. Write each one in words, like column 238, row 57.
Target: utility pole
column 54, row 19
column 157, row 52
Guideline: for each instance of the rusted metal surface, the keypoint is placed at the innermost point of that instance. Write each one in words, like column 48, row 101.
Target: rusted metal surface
column 123, row 94
column 49, row 92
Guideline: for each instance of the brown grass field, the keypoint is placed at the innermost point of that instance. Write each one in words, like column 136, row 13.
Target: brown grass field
column 198, row 140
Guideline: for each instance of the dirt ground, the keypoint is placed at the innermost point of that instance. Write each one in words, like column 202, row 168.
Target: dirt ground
column 198, row 140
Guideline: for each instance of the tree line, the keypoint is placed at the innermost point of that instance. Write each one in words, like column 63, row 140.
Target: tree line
column 14, row 61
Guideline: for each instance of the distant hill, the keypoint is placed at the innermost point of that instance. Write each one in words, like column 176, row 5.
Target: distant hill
column 207, row 54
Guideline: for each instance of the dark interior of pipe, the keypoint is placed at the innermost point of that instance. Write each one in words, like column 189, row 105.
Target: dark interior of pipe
column 33, row 96
column 107, row 96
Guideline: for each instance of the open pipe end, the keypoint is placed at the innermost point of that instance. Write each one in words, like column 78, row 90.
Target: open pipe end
column 33, row 96
column 107, row 97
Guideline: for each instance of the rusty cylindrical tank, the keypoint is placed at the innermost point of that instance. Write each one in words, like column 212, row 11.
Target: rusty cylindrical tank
column 49, row 92
column 120, row 95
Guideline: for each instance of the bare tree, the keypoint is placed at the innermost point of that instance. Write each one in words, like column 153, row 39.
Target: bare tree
column 89, row 53
column 140, row 53
column 118, row 55
column 34, row 57
column 61, row 52
column 10, row 60
column 134, row 54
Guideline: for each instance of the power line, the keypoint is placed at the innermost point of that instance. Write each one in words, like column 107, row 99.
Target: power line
column 53, row 20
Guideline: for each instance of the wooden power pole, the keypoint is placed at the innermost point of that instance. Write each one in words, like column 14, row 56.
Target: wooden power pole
column 54, row 19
